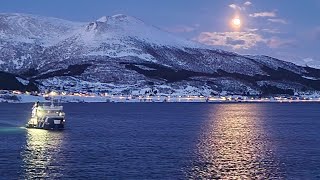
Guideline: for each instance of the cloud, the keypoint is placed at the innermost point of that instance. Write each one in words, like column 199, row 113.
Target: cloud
column 248, row 3
column 281, row 21
column 243, row 40
column 263, row 14
column 251, row 29
column 241, row 7
column 271, row 31
column 182, row 29
column 235, row 40
column 278, row 43
column 235, row 7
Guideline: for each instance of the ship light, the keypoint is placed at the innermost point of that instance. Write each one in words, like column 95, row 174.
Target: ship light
column 40, row 113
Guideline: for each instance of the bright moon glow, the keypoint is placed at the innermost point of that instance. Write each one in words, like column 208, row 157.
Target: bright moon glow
column 236, row 22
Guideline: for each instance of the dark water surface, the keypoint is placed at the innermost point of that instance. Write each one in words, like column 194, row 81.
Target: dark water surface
column 165, row 141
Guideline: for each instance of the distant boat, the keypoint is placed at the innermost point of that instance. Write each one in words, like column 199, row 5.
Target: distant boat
column 47, row 117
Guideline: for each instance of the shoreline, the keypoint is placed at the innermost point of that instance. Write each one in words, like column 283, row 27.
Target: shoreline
column 27, row 98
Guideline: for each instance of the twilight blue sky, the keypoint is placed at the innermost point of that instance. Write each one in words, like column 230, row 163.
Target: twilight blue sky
column 285, row 29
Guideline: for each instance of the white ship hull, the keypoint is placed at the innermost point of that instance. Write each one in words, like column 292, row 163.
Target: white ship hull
column 47, row 117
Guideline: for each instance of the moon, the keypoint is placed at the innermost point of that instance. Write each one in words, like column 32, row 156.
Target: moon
column 236, row 22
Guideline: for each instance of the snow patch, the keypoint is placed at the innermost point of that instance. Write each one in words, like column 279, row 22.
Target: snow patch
column 311, row 78
column 103, row 19
column 22, row 81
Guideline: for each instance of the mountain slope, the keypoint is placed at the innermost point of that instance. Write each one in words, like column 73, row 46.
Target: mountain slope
column 23, row 38
column 123, row 55
column 34, row 29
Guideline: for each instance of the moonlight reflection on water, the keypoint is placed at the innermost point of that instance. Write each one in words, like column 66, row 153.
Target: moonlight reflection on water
column 234, row 145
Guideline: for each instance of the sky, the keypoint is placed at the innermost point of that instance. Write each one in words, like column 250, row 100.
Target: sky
column 285, row 29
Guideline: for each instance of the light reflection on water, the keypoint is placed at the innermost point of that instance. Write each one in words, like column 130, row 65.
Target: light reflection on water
column 234, row 145
column 42, row 154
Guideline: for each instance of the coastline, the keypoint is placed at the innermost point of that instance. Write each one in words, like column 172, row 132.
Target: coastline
column 86, row 98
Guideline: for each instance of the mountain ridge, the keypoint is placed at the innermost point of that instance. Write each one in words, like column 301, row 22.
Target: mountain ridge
column 121, row 54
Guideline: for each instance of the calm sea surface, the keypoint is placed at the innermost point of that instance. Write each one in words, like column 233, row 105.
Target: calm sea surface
column 164, row 141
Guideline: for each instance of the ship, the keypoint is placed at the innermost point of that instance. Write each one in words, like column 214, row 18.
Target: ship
column 49, row 117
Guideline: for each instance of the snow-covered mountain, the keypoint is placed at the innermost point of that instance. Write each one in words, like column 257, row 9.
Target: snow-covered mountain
column 124, row 55
column 35, row 29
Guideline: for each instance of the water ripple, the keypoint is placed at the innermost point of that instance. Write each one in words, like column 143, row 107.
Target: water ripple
column 234, row 145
